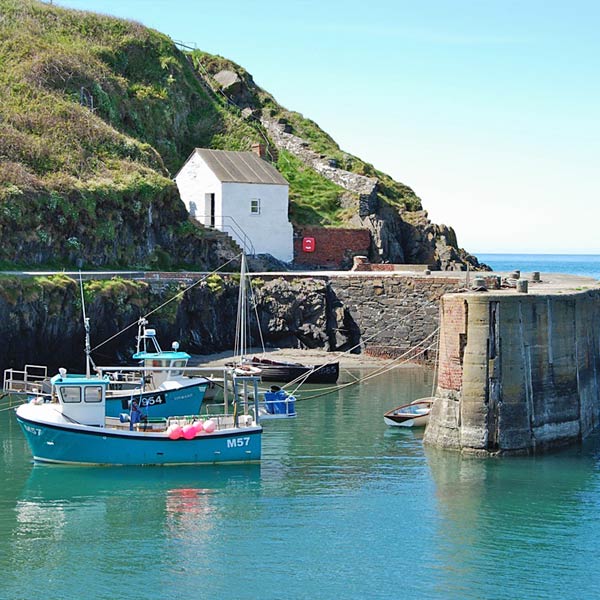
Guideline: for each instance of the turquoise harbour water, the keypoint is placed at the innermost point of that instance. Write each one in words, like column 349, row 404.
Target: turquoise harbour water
column 341, row 507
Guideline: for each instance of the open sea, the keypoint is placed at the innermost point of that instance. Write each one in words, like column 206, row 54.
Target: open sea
column 576, row 264
column 341, row 507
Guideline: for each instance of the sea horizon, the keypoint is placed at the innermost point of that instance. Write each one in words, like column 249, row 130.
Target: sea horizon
column 475, row 253
column 585, row 265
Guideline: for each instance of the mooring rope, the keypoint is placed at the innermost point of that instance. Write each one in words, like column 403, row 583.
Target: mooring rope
column 381, row 371
column 178, row 295
column 301, row 378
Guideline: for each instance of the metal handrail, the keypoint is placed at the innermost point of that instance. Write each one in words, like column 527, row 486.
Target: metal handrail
column 28, row 380
column 246, row 242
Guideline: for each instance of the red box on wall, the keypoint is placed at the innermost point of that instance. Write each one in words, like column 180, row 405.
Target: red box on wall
column 308, row 244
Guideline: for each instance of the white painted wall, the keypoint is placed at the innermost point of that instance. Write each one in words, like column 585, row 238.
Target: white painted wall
column 195, row 182
column 270, row 231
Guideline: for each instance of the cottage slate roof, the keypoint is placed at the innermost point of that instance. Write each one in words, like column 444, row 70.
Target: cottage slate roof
column 240, row 167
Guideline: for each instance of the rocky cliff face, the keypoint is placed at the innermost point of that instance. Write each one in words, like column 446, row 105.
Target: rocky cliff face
column 40, row 318
column 401, row 231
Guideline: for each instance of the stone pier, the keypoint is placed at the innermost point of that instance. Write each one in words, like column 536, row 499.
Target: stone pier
column 518, row 372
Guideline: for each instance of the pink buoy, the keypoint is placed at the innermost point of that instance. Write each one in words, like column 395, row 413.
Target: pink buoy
column 199, row 425
column 175, row 432
column 209, row 426
column 189, row 431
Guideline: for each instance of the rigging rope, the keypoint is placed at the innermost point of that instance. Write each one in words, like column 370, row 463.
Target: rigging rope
column 378, row 372
column 179, row 294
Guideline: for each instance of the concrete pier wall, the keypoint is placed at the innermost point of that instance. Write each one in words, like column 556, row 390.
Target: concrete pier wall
column 518, row 373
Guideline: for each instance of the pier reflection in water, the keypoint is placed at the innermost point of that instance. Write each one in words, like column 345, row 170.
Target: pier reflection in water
column 340, row 506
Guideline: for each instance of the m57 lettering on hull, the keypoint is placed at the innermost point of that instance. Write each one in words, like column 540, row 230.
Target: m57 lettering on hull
column 238, row 442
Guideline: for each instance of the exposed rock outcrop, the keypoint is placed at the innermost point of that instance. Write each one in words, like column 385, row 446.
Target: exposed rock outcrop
column 399, row 235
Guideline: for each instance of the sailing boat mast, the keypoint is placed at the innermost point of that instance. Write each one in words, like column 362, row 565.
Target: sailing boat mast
column 86, row 326
column 241, row 329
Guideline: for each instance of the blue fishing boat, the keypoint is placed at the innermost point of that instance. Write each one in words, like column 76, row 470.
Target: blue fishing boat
column 73, row 428
column 160, row 387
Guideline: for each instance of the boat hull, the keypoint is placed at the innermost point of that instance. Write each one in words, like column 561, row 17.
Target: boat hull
column 283, row 373
column 399, row 421
column 160, row 403
column 415, row 414
column 85, row 445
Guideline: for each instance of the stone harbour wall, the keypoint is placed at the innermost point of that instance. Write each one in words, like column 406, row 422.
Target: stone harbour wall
column 518, row 373
column 394, row 313
column 381, row 314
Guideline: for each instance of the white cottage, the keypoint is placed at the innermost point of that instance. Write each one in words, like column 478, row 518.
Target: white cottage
column 241, row 194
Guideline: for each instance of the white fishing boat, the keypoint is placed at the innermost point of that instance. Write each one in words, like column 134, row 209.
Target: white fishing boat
column 415, row 414
column 160, row 386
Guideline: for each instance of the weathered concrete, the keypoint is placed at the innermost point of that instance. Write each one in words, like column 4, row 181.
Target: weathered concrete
column 518, row 372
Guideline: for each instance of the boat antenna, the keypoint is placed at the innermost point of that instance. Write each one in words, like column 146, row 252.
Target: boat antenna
column 86, row 326
column 142, row 322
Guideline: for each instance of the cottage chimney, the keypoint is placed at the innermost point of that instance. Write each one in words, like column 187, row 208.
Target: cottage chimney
column 259, row 149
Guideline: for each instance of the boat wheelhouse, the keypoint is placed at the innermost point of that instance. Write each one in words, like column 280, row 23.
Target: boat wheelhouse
column 160, row 385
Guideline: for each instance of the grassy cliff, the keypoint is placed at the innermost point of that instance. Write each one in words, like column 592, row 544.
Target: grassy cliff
column 97, row 116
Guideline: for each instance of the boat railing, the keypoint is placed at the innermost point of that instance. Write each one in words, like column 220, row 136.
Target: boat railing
column 26, row 381
column 221, row 421
column 214, row 375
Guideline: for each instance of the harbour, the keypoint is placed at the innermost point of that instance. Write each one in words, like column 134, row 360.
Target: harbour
column 332, row 393
column 334, row 492
column 341, row 505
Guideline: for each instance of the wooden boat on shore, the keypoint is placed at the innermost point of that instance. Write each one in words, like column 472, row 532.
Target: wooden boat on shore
column 415, row 414
column 284, row 372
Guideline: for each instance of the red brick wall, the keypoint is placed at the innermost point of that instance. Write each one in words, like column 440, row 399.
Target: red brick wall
column 334, row 248
column 452, row 342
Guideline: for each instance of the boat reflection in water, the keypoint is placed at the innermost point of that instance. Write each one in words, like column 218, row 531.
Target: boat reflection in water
column 59, row 499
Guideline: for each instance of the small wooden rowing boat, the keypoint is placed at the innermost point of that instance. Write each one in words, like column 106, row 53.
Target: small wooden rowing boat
column 415, row 414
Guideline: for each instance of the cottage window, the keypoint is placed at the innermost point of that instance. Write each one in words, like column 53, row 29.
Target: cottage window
column 255, row 206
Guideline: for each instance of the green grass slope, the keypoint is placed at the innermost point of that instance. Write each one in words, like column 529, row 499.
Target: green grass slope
column 97, row 113
column 392, row 192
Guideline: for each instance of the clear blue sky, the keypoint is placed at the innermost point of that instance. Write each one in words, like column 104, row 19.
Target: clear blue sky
column 488, row 109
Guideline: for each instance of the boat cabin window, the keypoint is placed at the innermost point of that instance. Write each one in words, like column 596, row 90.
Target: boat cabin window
column 70, row 394
column 176, row 367
column 92, row 393
column 156, row 363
